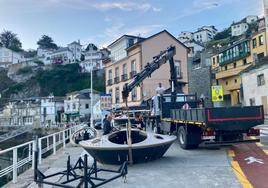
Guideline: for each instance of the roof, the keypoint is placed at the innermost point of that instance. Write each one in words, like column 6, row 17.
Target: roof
column 123, row 36
column 74, row 42
column 61, row 50
column 152, row 36
column 83, row 92
column 244, row 20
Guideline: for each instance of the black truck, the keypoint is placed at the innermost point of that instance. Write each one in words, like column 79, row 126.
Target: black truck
column 216, row 126
column 181, row 114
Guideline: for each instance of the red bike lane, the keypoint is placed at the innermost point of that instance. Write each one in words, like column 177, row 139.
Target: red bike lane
column 253, row 162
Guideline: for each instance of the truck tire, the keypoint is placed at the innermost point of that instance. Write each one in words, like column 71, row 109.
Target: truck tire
column 184, row 139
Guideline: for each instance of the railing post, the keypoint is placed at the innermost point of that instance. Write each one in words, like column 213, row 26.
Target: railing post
column 47, row 143
column 63, row 138
column 15, row 164
column 33, row 152
column 29, row 152
column 39, row 151
column 54, row 144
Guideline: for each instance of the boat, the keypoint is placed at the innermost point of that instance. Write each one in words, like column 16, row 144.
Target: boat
column 114, row 148
column 85, row 133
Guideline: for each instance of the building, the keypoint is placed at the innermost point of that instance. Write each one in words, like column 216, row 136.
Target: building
column 129, row 54
column 70, row 54
column 52, row 110
column 25, row 112
column 255, row 85
column 241, row 27
column 9, row 57
column 44, row 55
column 228, row 63
column 77, row 105
column 185, row 36
column 200, row 81
column 93, row 57
column 205, row 34
column 194, row 47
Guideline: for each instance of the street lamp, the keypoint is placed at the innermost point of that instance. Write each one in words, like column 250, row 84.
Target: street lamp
column 91, row 97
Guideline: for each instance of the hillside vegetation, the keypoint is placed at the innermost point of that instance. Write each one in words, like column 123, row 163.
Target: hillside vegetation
column 59, row 80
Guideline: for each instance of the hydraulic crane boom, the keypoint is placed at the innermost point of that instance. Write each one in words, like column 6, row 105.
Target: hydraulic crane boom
column 162, row 58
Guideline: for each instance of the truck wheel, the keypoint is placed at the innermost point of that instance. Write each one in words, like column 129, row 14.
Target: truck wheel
column 184, row 139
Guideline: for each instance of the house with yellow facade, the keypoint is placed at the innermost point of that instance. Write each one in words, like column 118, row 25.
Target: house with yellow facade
column 230, row 61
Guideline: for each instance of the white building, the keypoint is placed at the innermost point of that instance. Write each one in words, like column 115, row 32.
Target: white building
column 77, row 105
column 205, row 34
column 93, row 58
column 8, row 57
column 44, row 55
column 241, row 27
column 194, row 46
column 255, row 85
column 185, row 36
column 52, row 110
column 70, row 54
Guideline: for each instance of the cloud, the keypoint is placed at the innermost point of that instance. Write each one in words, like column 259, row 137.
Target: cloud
column 125, row 6
column 118, row 29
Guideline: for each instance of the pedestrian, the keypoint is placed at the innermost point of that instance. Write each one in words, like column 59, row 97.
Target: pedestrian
column 105, row 118
column 107, row 127
column 160, row 89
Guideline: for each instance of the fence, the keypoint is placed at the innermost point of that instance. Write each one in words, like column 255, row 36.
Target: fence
column 23, row 154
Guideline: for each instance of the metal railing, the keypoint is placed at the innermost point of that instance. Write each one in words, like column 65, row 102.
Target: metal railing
column 45, row 144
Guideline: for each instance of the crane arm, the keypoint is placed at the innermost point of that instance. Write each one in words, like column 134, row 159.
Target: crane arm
column 159, row 60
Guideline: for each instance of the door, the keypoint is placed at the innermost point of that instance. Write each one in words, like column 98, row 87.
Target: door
column 265, row 104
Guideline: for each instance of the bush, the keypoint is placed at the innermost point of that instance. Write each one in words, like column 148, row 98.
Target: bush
column 25, row 70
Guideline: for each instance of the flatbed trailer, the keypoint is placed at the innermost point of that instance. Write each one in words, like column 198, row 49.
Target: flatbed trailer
column 215, row 126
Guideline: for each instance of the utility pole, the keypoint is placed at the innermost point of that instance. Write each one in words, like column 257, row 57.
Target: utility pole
column 91, row 97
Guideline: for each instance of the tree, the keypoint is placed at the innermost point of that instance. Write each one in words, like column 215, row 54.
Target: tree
column 10, row 40
column 224, row 34
column 46, row 42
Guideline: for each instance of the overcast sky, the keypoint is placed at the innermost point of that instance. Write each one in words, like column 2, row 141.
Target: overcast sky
column 102, row 21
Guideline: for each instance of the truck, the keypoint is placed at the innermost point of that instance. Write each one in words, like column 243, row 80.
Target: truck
column 185, row 114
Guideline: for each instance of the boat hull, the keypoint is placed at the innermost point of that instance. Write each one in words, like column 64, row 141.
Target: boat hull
column 112, row 149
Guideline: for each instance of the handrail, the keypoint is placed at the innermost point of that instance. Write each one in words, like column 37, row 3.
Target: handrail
column 58, row 138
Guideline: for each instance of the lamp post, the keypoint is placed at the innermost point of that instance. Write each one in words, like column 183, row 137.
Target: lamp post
column 91, row 97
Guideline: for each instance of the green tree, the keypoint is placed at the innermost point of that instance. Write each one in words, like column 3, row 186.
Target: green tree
column 10, row 40
column 46, row 42
column 224, row 34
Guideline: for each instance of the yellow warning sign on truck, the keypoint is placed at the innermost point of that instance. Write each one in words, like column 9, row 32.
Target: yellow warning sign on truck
column 217, row 93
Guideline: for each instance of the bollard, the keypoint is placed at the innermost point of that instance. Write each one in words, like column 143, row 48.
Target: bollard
column 15, row 164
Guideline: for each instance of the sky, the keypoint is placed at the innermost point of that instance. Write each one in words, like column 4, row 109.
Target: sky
column 103, row 21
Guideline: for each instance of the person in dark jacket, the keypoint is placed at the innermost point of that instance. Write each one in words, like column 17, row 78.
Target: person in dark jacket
column 107, row 127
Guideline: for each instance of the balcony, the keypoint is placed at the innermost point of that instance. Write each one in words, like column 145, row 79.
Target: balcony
column 116, row 80
column 180, row 75
column 109, row 82
column 231, row 72
column 124, row 77
column 224, row 60
column 133, row 73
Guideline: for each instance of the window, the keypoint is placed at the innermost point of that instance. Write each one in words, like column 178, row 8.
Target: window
column 252, row 101
column 254, row 43
column 226, row 82
column 125, row 68
column 87, row 106
column 134, row 94
column 235, row 80
column 217, row 59
column 133, row 65
column 117, row 72
column 177, row 64
column 260, row 56
column 234, row 65
column 260, row 40
column 68, row 107
column 260, row 80
column 117, row 95
column 110, row 74
column 225, row 67
column 244, row 61
column 214, row 61
column 74, row 106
